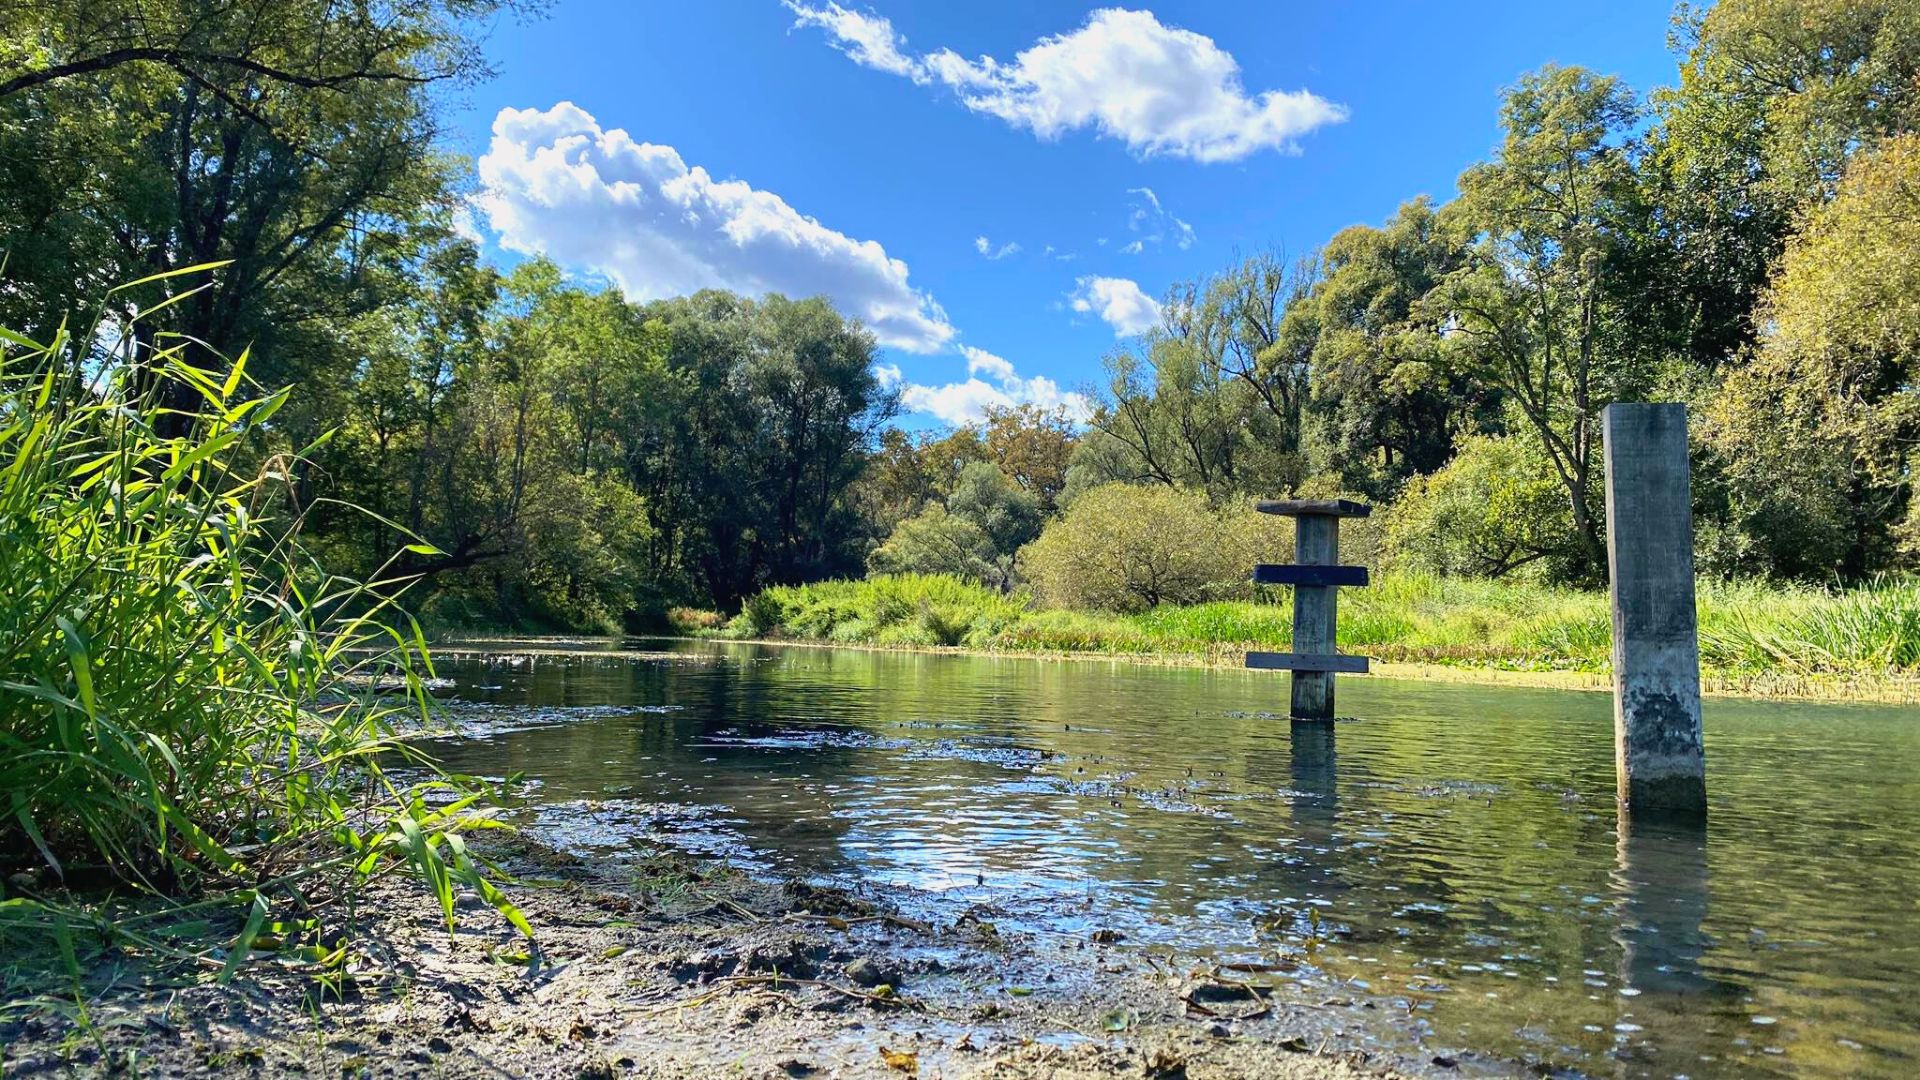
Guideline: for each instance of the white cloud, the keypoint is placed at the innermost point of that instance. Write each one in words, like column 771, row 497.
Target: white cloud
column 1119, row 302
column 991, row 383
column 866, row 38
column 1157, row 88
column 985, row 247
column 555, row 183
column 1153, row 225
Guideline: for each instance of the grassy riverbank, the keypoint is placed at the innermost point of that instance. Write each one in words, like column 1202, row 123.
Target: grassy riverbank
column 1755, row 639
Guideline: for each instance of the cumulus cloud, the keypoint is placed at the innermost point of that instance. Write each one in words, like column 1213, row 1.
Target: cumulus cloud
column 991, row 383
column 985, row 247
column 1160, row 89
column 554, row 183
column 1119, row 302
column 1152, row 225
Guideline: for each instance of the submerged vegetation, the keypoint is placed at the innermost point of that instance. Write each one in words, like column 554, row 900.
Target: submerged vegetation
column 196, row 719
column 1745, row 629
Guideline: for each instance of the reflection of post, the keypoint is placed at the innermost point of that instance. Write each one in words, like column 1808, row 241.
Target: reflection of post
column 1661, row 876
column 1656, row 642
column 1314, row 776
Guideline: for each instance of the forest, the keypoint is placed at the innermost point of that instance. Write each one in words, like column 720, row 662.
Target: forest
column 545, row 454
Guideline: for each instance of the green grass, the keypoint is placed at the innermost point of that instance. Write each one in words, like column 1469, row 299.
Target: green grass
column 194, row 759
column 1744, row 628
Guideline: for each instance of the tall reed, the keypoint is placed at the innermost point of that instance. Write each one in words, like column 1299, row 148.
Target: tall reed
column 193, row 715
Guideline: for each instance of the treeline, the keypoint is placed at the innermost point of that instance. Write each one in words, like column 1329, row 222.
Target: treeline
column 538, row 453
column 578, row 461
column 1747, row 241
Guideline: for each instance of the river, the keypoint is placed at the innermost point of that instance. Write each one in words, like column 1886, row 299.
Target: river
column 1451, row 850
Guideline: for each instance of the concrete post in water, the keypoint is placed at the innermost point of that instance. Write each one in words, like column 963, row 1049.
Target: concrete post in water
column 1658, row 749
column 1316, row 577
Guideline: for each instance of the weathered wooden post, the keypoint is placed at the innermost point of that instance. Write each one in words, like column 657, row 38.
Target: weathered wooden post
column 1315, row 577
column 1658, row 747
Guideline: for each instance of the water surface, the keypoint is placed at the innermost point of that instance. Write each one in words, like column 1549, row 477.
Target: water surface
column 1454, row 850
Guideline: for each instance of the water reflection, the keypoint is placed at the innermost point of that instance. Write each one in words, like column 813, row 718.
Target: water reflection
column 1458, row 852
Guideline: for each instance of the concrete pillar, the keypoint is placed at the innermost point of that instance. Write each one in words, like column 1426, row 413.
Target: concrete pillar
column 1658, row 748
column 1316, row 543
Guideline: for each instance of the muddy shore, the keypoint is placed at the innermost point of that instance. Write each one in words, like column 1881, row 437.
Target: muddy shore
column 674, row 966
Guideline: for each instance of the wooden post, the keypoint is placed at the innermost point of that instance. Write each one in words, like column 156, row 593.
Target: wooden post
column 1316, row 542
column 1316, row 576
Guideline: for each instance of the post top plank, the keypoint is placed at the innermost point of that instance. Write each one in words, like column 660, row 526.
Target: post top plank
column 1313, row 507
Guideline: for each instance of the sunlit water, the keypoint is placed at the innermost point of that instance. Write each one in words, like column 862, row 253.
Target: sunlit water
column 1454, row 849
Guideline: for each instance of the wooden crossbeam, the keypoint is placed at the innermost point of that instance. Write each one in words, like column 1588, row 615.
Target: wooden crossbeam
column 1286, row 661
column 1313, row 507
column 1267, row 574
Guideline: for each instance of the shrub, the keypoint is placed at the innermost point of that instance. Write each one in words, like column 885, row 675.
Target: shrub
column 1493, row 510
column 1126, row 547
column 188, row 704
column 887, row 609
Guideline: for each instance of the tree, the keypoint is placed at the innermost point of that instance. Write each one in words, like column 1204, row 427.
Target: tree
column 1031, row 446
column 1496, row 508
column 1384, row 404
column 1775, row 96
column 1816, row 436
column 1530, row 309
column 292, row 139
column 976, row 534
column 1209, row 399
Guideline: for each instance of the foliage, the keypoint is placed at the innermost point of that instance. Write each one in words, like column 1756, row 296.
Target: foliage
column 1384, row 404
column 977, row 534
column 1813, row 440
column 1031, row 446
column 1129, row 547
column 1774, row 98
column 1496, row 508
column 189, row 706
column 886, row 609
column 1531, row 305
column 1209, row 399
column 295, row 139
column 1745, row 629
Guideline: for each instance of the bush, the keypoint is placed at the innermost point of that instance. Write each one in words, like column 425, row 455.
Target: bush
column 1127, row 547
column 888, row 609
column 1494, row 510
column 188, row 705
column 976, row 534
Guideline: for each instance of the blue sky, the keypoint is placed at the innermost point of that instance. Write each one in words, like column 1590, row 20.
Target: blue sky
column 865, row 151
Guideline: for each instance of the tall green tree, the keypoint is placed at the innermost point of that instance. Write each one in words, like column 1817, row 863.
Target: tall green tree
column 294, row 140
column 1384, row 404
column 1530, row 312
column 1774, row 97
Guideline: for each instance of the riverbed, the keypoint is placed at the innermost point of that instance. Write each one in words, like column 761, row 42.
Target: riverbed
column 1451, row 851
